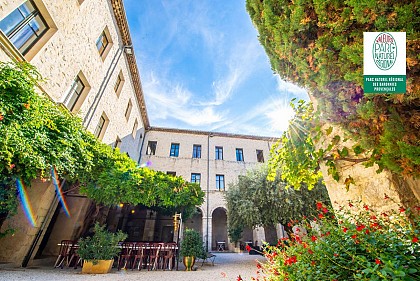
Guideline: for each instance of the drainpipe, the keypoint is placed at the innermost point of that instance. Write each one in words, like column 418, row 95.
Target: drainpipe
column 141, row 147
column 208, row 192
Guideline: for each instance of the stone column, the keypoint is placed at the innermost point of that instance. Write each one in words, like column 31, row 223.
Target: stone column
column 258, row 236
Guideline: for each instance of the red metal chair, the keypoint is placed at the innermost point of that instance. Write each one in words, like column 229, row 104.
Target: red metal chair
column 67, row 253
column 126, row 255
column 153, row 255
column 139, row 255
column 168, row 252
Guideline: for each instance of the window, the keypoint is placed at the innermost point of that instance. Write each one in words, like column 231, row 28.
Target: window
column 220, row 182
column 196, row 151
column 102, row 43
column 219, row 153
column 128, row 109
column 119, row 84
column 117, row 142
column 196, row 178
column 260, row 156
column 174, row 149
column 134, row 132
column 239, row 154
column 151, row 148
column 24, row 26
column 171, row 173
column 75, row 93
column 100, row 128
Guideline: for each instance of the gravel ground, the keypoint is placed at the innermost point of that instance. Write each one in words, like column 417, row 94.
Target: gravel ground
column 227, row 266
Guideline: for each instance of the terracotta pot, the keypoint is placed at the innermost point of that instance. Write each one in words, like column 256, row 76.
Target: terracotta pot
column 103, row 266
column 189, row 263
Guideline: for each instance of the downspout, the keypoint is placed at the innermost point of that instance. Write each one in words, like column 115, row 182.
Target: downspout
column 208, row 192
column 141, row 147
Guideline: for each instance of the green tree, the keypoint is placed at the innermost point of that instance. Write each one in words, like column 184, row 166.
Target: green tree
column 255, row 201
column 318, row 45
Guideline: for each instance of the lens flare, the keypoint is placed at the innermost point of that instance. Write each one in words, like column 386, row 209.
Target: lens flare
column 147, row 164
column 56, row 183
column 27, row 208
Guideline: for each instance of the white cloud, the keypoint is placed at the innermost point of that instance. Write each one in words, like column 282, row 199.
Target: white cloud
column 290, row 89
column 167, row 101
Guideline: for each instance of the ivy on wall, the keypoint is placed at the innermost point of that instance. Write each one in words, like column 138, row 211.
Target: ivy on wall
column 36, row 134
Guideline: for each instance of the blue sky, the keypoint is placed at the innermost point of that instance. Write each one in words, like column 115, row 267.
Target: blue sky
column 202, row 68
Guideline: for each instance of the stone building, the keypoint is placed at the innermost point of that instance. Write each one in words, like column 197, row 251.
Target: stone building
column 214, row 160
column 85, row 52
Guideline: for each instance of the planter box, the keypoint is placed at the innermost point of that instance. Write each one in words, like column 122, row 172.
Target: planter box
column 103, row 266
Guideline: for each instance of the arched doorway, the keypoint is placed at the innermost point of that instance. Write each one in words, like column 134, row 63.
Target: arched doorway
column 195, row 222
column 219, row 228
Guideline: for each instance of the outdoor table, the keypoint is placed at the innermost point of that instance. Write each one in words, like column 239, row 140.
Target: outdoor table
column 221, row 246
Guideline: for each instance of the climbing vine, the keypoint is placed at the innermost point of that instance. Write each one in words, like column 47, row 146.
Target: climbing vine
column 36, row 134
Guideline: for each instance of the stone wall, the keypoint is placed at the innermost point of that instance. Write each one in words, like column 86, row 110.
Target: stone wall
column 369, row 186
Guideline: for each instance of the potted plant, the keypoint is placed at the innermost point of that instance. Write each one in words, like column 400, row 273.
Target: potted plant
column 98, row 251
column 191, row 248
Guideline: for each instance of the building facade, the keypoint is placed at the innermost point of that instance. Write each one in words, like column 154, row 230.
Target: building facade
column 214, row 160
column 83, row 49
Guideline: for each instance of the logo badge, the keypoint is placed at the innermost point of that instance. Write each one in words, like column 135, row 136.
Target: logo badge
column 384, row 51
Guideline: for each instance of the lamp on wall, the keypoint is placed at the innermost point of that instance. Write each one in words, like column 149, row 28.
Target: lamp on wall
column 128, row 49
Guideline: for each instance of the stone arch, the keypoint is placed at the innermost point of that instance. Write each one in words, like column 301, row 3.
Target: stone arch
column 219, row 227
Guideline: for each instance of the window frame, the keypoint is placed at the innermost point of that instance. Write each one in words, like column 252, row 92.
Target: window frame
column 119, row 83
column 218, row 153
column 240, row 155
column 128, row 110
column 174, row 151
column 135, row 127
column 117, row 143
column 171, row 173
column 103, row 52
column 151, row 150
column 196, row 151
column 73, row 91
column 100, row 129
column 260, row 152
column 26, row 23
column 220, row 182
column 194, row 177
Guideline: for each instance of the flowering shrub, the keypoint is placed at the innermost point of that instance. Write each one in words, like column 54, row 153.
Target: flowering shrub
column 348, row 246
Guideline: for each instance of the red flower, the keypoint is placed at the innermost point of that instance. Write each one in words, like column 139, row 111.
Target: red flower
column 402, row 210
column 258, row 265
column 11, row 166
column 239, row 278
column 415, row 240
column 290, row 260
column 374, row 225
column 312, row 263
column 366, row 207
column 248, row 248
column 335, row 255
column 1, row 117
column 384, row 214
column 350, row 205
column 373, row 217
column 354, row 236
column 325, row 210
column 26, row 105
column 386, row 197
column 417, row 208
column 377, row 261
column 345, row 229
column 313, row 238
column 310, row 251
column 320, row 216
column 318, row 205
column 360, row 227
column 367, row 231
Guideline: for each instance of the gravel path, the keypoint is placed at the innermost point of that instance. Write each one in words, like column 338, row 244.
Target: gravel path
column 227, row 266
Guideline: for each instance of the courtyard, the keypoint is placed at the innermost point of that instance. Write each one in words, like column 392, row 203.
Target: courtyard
column 227, row 266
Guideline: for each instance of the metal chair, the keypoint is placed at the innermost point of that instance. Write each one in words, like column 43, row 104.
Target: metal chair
column 126, row 255
column 66, row 253
column 139, row 255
